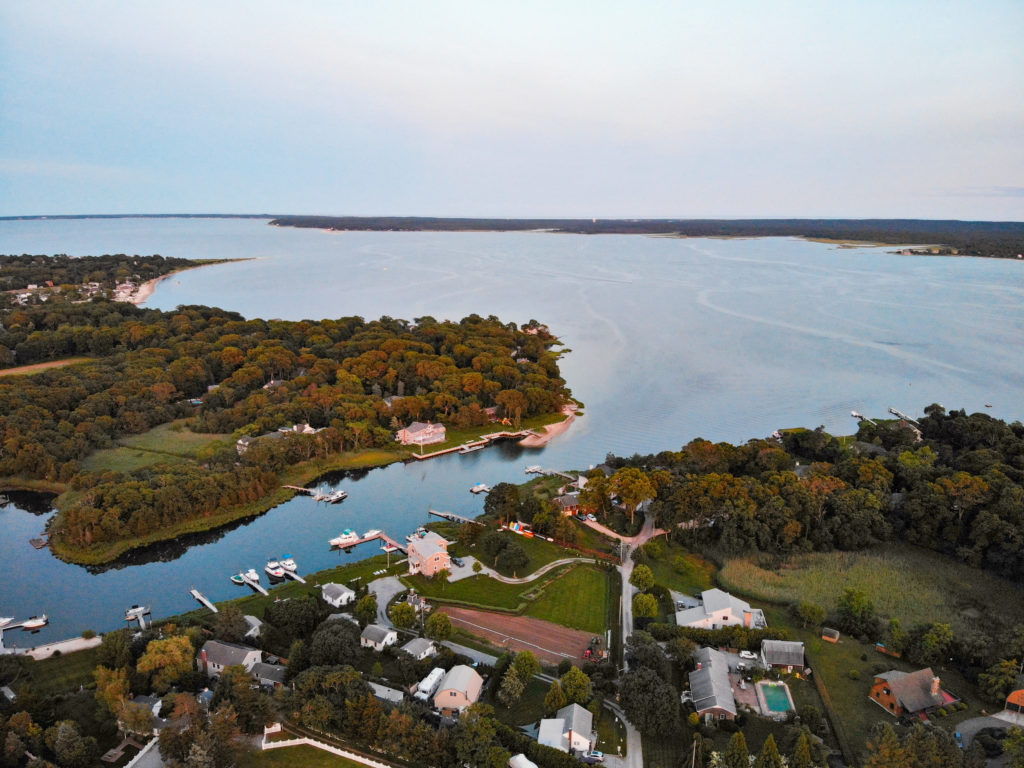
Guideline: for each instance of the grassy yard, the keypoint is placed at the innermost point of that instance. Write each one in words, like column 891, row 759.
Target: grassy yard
column 539, row 552
column 59, row 674
column 481, row 591
column 679, row 569
column 529, row 709
column 307, row 757
column 28, row 370
column 914, row 585
column 611, row 733
column 579, row 600
column 175, row 438
column 123, row 459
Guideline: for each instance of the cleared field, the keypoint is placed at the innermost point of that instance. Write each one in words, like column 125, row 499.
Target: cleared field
column 126, row 460
column 173, row 437
column 579, row 599
column 681, row 570
column 58, row 674
column 307, row 757
column 28, row 370
column 480, row 590
column 550, row 643
column 914, row 585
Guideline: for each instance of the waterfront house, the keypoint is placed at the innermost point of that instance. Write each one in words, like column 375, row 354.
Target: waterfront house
column 420, row 433
column 909, row 693
column 460, row 688
column 337, row 595
column 420, row 648
column 783, row 654
column 428, row 554
column 570, row 730
column 710, row 688
column 377, row 637
column 568, row 504
column 720, row 609
column 216, row 654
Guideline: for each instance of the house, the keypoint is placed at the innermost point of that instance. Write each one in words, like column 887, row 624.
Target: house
column 492, row 413
column 785, row 654
column 377, row 637
column 337, row 595
column 299, row 429
column 901, row 693
column 419, row 433
column 460, row 688
column 568, row 504
column 570, row 730
column 215, row 655
column 1014, row 709
column 428, row 554
column 244, row 443
column 150, row 703
column 521, row 761
column 385, row 694
column 255, row 627
column 270, row 675
column 710, row 687
column 419, row 648
column 720, row 609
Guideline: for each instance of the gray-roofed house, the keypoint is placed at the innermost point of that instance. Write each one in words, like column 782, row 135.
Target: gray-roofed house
column 459, row 688
column 337, row 595
column 377, row 637
column 720, row 609
column 902, row 693
column 710, row 687
column 270, row 675
column 570, row 730
column 389, row 695
column 420, row 648
column 788, row 654
column 568, row 504
column 216, row 654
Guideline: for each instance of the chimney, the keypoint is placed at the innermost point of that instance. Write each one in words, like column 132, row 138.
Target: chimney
column 206, row 666
column 936, row 686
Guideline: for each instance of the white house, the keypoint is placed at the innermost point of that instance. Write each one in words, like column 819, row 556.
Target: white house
column 337, row 595
column 570, row 730
column 419, row 433
column 720, row 609
column 215, row 655
column 377, row 637
column 419, row 648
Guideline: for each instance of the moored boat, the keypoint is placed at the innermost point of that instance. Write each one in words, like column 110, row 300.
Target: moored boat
column 470, row 448
column 533, row 469
column 35, row 622
column 371, row 533
column 274, row 569
column 334, row 496
column 238, row 579
column 480, row 488
column 346, row 538
column 288, row 563
column 5, row 620
column 252, row 575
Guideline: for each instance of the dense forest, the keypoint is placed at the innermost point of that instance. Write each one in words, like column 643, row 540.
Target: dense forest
column 21, row 271
column 247, row 377
column 998, row 239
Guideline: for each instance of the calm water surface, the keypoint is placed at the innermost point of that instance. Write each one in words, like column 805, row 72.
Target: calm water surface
column 671, row 339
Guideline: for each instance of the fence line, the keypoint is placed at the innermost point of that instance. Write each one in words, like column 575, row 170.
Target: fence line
column 326, row 748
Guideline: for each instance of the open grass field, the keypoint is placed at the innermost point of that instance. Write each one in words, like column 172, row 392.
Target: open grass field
column 123, row 459
column 905, row 582
column 679, row 569
column 58, row 674
column 527, row 710
column 28, row 370
column 579, row 599
column 539, row 552
column 478, row 590
column 290, row 757
column 175, row 438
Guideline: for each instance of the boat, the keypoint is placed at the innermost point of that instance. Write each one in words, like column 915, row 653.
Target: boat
column 134, row 612
column 5, row 620
column 334, row 496
column 480, row 488
column 389, row 548
column 470, row 448
column 35, row 622
column 988, row 405
column 419, row 533
column 372, row 533
column 274, row 569
column 238, row 579
column 533, row 469
column 251, row 575
column 287, row 563
column 346, row 538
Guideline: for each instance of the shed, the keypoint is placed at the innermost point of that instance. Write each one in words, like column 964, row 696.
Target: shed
column 830, row 635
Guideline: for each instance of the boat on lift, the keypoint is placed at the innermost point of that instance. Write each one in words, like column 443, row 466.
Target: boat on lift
column 252, row 575
column 274, row 569
column 288, row 563
column 533, row 469
column 36, row 622
column 372, row 533
column 480, row 488
column 131, row 614
column 334, row 496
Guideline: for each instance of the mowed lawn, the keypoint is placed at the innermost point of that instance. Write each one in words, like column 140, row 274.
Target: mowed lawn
column 291, row 757
column 481, row 591
column 63, row 673
column 579, row 600
column 175, row 438
column 679, row 569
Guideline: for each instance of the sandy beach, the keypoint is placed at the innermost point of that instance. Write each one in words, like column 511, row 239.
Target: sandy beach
column 552, row 430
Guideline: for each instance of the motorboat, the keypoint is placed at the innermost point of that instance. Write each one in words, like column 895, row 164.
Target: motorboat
column 238, row 579
column 274, row 569
column 533, row 469
column 389, row 548
column 5, row 620
column 287, row 563
column 480, row 488
column 373, row 532
column 35, row 622
column 419, row 533
column 252, row 575
column 134, row 612
column 334, row 496
column 346, row 538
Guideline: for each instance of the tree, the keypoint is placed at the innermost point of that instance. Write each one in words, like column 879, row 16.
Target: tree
column 736, row 754
column 512, row 687
column 252, row 707
column 1014, row 747
column 681, row 649
column 230, row 624
column 642, row 577
column 136, row 719
column 633, row 487
column 477, row 566
column 336, row 642
column 111, row 687
column 439, row 626
column 502, row 503
column 802, row 752
column 115, row 651
column 555, row 698
column 576, row 686
column 645, row 606
column 525, row 665
column 884, row 749
column 998, row 680
column 69, row 747
column 512, row 557
column 403, row 615
column 856, row 612
column 935, row 643
column 366, row 609
column 811, row 614
column 443, row 577
column 474, row 735
column 650, row 703
column 769, row 756
column 168, row 660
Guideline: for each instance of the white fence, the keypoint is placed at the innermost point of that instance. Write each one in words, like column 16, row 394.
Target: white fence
column 326, row 748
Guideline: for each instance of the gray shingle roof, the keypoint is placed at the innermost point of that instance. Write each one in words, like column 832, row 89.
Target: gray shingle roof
column 418, row 645
column 783, row 653
column 335, row 591
column 710, row 685
column 375, row 633
column 275, row 673
column 577, row 719
column 913, row 689
column 225, row 654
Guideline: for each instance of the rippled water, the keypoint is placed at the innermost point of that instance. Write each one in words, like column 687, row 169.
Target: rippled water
column 671, row 339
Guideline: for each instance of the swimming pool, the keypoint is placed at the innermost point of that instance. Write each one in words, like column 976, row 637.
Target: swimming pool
column 775, row 697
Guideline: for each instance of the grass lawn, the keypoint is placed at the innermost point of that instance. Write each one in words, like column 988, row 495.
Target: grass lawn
column 123, row 459
column 482, row 591
column 456, row 436
column 59, row 674
column 579, row 600
column 611, row 733
column 914, row 585
column 307, row 757
column 539, row 552
column 529, row 709
column 692, row 576
column 27, row 370
column 175, row 438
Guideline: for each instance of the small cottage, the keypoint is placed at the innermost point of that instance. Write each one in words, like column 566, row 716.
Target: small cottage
column 377, row 637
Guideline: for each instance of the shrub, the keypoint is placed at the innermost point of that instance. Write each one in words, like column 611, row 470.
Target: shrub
column 693, row 719
column 88, row 634
column 853, row 674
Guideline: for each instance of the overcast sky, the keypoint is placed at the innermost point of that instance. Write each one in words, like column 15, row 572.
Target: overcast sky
column 594, row 109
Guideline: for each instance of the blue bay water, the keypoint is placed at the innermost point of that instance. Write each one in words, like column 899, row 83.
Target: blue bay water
column 671, row 339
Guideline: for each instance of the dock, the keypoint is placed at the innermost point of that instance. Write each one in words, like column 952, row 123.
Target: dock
column 202, row 599
column 291, row 575
column 482, row 441
column 453, row 517
column 255, row 584
column 299, row 489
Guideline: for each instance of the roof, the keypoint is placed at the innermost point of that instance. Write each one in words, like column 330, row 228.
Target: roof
column 375, row 633
column 462, row 678
column 336, row 590
column 710, row 685
column 429, row 545
column 226, row 654
column 419, row 645
column 552, row 734
column 384, row 693
column 913, row 689
column 274, row 672
column 521, row 761
column 717, row 600
column 568, row 500
column 577, row 719
column 419, row 426
column 783, row 653
column 1016, row 697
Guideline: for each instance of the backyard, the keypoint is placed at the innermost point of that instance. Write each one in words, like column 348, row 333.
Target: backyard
column 579, row 599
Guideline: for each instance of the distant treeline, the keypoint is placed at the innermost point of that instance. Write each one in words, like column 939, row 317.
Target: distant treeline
column 107, row 270
column 999, row 239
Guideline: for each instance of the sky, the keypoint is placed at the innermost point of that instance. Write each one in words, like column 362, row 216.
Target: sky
column 525, row 109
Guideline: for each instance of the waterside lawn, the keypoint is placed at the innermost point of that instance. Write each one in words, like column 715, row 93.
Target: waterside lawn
column 580, row 599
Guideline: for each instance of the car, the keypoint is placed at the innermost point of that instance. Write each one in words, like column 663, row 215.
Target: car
column 741, row 667
column 593, row 756
column 750, row 655
column 457, row 561
column 591, row 518
column 959, row 739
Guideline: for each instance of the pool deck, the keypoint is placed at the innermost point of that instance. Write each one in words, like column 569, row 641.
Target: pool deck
column 765, row 709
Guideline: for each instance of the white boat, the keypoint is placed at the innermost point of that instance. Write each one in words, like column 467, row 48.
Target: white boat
column 274, row 569
column 346, row 538
column 287, row 563
column 389, row 548
column 5, row 620
column 480, row 488
column 334, row 496
column 134, row 612
column 251, row 575
column 238, row 578
column 371, row 533
column 533, row 469
column 35, row 622
column 471, row 448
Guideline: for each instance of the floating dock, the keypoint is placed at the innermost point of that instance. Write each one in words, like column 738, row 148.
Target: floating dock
column 255, row 584
column 202, row 599
column 292, row 575
column 453, row 517
column 382, row 536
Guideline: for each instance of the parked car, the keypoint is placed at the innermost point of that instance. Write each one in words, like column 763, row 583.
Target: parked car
column 594, row 756
column 591, row 518
column 959, row 739
column 748, row 655
column 457, row 561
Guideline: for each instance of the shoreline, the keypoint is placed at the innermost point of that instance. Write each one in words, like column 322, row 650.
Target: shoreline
column 140, row 295
column 552, row 431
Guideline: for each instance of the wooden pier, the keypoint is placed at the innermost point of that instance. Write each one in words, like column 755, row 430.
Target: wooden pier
column 453, row 517
column 382, row 536
column 293, row 575
column 255, row 584
column 299, row 489
column 202, row 599
column 481, row 441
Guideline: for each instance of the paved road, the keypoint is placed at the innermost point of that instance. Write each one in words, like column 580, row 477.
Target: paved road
column 385, row 589
column 647, row 532
column 475, row 655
